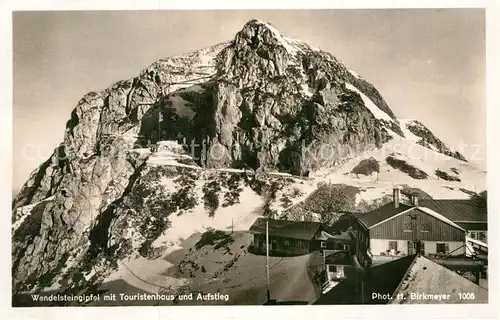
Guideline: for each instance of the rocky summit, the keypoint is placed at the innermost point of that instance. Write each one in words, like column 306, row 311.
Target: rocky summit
column 194, row 133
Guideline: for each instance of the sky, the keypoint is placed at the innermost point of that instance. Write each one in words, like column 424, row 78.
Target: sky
column 428, row 64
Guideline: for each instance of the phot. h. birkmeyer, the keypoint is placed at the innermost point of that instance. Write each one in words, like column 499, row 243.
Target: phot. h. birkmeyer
column 259, row 170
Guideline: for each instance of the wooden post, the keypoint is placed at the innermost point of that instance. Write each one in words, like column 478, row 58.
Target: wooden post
column 267, row 259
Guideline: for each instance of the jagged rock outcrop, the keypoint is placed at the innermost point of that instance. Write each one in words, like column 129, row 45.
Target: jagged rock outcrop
column 426, row 138
column 260, row 101
column 286, row 105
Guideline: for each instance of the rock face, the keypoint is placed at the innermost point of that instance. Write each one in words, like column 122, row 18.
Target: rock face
column 260, row 101
column 423, row 136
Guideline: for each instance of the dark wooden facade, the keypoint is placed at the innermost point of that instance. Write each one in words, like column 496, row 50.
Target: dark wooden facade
column 361, row 242
column 289, row 246
column 416, row 225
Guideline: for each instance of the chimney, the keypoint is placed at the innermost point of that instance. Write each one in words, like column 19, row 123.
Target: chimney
column 415, row 200
column 396, row 196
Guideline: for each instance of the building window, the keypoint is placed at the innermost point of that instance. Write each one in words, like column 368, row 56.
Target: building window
column 442, row 248
column 286, row 243
column 408, row 223
column 425, row 227
column 300, row 244
column 481, row 236
column 416, row 244
column 335, row 269
column 346, row 247
column 393, row 245
column 323, row 244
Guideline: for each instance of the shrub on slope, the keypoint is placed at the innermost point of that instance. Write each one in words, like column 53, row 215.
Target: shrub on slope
column 366, row 167
column 329, row 201
column 446, row 176
column 407, row 168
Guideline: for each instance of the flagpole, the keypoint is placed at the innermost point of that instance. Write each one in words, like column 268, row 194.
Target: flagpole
column 267, row 258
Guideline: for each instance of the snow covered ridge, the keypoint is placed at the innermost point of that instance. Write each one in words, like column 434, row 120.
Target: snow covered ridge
column 410, row 136
column 186, row 70
column 22, row 212
column 292, row 46
column 418, row 133
column 377, row 113
column 355, row 74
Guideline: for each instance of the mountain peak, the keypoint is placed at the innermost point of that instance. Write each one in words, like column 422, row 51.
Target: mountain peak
column 257, row 33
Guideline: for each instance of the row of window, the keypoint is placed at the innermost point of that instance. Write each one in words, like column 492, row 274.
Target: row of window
column 479, row 235
column 441, row 247
column 302, row 244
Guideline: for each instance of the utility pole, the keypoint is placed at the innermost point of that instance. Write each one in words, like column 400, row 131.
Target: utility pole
column 160, row 119
column 232, row 225
column 267, row 259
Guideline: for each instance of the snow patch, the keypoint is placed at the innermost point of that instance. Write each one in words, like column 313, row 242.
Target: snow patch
column 282, row 40
column 410, row 136
column 25, row 211
column 306, row 90
column 419, row 156
column 181, row 107
column 355, row 74
column 377, row 113
column 239, row 217
column 146, row 275
column 371, row 194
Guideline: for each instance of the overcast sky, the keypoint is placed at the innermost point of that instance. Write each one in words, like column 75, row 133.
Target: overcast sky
column 428, row 64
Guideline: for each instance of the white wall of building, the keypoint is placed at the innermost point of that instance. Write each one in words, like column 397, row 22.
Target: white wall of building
column 455, row 247
column 475, row 234
column 382, row 245
column 377, row 246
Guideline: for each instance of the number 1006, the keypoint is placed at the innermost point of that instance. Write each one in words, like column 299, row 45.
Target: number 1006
column 466, row 296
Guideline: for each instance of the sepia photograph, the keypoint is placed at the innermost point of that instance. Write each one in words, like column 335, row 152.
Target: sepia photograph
column 249, row 157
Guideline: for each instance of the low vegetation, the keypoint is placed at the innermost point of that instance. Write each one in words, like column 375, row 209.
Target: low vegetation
column 407, row 168
column 211, row 197
column 421, row 194
column 232, row 195
column 367, row 167
column 446, row 176
column 329, row 201
column 481, row 199
column 217, row 238
column 149, row 205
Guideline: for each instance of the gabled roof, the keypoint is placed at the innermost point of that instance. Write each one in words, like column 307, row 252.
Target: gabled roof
column 457, row 210
column 302, row 230
column 478, row 226
column 380, row 214
column 383, row 278
column 429, row 277
column 410, row 274
column 440, row 217
column 388, row 212
column 340, row 258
